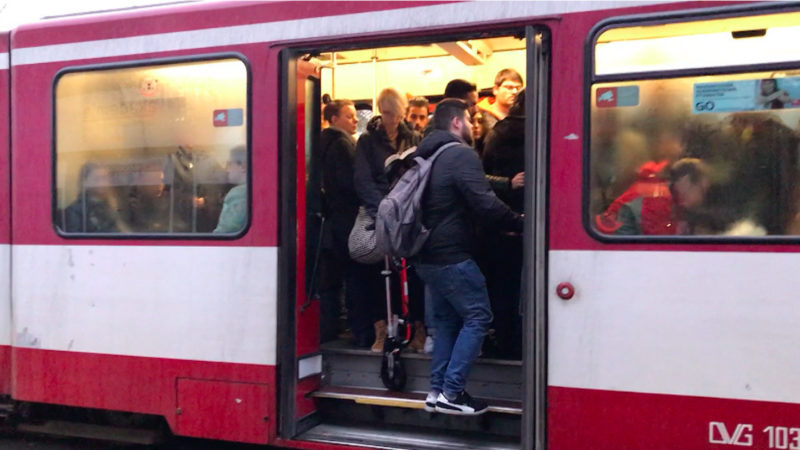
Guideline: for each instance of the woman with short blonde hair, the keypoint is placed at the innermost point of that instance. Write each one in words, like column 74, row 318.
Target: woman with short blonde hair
column 390, row 100
column 386, row 134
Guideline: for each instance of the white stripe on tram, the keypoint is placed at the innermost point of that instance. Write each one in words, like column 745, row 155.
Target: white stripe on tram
column 716, row 324
column 200, row 303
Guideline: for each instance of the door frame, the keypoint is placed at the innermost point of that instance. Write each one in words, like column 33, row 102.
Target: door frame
column 287, row 246
column 533, row 298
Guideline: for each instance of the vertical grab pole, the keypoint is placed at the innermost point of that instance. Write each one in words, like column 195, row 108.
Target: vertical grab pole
column 374, row 82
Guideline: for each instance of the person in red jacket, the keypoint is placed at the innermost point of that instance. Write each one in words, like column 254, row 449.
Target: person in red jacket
column 647, row 209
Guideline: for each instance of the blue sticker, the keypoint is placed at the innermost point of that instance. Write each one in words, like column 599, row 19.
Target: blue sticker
column 746, row 95
column 724, row 96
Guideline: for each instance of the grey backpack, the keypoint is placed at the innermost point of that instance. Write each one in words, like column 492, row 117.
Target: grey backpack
column 398, row 225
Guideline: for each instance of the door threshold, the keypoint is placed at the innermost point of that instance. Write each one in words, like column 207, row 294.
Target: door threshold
column 398, row 438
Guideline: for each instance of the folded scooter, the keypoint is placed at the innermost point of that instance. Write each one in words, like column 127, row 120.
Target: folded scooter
column 398, row 329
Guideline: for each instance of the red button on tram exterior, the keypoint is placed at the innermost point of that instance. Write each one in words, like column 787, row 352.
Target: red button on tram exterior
column 565, row 290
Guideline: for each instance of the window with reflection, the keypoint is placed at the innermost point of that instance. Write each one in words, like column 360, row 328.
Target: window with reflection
column 713, row 155
column 158, row 149
column 708, row 155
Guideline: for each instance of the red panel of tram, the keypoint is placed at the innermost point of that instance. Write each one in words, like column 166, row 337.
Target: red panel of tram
column 243, row 408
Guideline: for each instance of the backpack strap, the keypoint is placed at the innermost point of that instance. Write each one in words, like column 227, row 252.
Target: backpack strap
column 432, row 159
column 438, row 152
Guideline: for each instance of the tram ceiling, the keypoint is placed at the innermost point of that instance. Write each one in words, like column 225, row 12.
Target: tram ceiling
column 469, row 52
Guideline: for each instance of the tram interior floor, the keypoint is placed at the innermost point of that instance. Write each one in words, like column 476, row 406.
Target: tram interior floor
column 354, row 407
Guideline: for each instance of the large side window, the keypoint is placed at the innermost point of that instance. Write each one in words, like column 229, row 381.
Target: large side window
column 157, row 149
column 682, row 144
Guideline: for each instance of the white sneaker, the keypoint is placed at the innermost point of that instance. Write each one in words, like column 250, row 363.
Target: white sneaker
column 430, row 401
column 462, row 405
column 428, row 347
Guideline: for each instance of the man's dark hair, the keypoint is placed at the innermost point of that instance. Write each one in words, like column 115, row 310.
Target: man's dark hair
column 507, row 74
column 459, row 88
column 446, row 110
column 334, row 108
column 418, row 102
column 693, row 167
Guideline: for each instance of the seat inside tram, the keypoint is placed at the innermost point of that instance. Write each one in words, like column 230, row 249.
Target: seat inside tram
column 489, row 75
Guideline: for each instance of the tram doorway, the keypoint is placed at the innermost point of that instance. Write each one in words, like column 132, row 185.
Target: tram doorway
column 339, row 395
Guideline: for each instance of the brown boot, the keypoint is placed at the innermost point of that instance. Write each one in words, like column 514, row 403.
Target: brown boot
column 380, row 336
column 418, row 342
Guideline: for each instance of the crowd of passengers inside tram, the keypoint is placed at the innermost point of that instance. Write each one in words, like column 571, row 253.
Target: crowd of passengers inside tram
column 654, row 176
column 179, row 193
column 358, row 168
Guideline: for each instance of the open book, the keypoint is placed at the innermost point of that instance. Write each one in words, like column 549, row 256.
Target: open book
column 398, row 157
column 395, row 165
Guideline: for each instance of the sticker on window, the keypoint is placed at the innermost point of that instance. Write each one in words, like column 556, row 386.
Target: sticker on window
column 746, row 95
column 611, row 97
column 228, row 117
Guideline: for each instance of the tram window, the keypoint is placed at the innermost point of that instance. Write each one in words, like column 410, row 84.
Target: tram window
column 705, row 155
column 738, row 131
column 158, row 149
column 750, row 40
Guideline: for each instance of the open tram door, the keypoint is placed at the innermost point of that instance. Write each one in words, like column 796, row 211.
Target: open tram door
column 298, row 339
column 332, row 392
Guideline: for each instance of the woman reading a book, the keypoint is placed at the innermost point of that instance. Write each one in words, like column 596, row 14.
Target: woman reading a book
column 386, row 136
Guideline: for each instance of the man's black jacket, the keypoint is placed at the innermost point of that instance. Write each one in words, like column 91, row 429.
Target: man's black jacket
column 457, row 192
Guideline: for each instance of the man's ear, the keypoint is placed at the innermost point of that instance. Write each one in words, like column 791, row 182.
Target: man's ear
column 455, row 123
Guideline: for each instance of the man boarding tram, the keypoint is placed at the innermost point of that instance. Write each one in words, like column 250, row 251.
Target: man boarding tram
column 457, row 192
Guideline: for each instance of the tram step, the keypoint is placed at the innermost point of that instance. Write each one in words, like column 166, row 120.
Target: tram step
column 380, row 436
column 344, row 365
column 95, row 432
column 412, row 400
column 6, row 409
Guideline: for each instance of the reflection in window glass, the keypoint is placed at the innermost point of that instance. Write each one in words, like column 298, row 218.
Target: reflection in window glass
column 157, row 149
column 710, row 155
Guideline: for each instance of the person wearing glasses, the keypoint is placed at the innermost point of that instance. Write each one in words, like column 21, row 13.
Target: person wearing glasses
column 507, row 83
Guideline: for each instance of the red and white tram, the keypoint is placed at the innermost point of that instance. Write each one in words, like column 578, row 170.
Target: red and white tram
column 142, row 316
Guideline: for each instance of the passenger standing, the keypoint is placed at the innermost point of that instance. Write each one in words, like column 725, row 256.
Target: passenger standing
column 457, row 193
column 467, row 92
column 507, row 84
column 386, row 135
column 504, row 159
column 337, row 152
column 463, row 90
column 417, row 114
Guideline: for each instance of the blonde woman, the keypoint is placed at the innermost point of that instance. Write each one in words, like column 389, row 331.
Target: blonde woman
column 386, row 135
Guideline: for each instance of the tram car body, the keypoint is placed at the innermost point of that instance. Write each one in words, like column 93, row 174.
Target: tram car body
column 143, row 308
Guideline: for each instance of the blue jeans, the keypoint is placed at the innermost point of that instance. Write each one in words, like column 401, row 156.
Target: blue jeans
column 461, row 316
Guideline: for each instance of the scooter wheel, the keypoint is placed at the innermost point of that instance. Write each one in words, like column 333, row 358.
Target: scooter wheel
column 395, row 381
